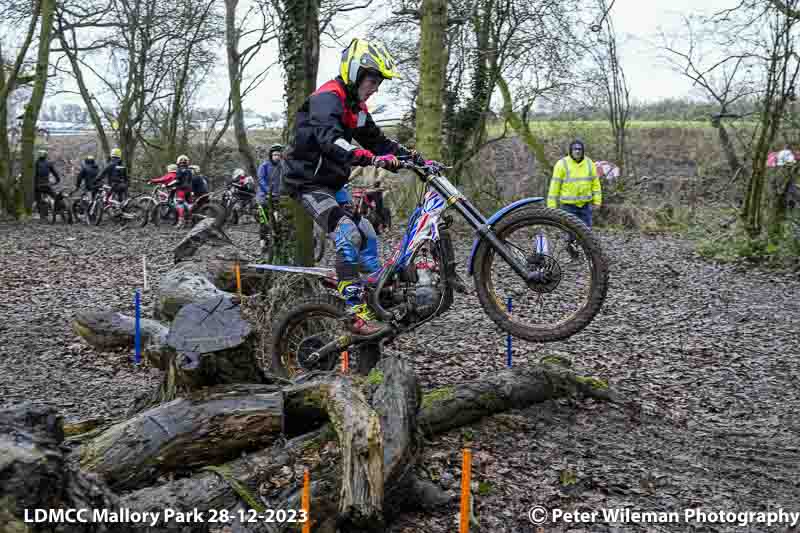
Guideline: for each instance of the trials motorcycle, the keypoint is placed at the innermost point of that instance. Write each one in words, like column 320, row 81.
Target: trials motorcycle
column 539, row 274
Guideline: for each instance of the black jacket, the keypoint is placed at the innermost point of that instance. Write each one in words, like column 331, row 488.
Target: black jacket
column 43, row 170
column 325, row 126
column 185, row 177
column 115, row 171
column 88, row 175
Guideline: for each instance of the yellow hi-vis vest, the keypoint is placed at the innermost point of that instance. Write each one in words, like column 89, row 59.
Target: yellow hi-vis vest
column 574, row 183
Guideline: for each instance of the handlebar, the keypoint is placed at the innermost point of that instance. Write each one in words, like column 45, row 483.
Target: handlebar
column 416, row 162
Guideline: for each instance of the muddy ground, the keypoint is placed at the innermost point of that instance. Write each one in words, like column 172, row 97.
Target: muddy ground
column 707, row 353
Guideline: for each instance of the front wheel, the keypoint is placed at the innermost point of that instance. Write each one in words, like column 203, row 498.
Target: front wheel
column 571, row 275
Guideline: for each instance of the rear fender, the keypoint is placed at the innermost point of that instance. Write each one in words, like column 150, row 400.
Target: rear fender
column 510, row 208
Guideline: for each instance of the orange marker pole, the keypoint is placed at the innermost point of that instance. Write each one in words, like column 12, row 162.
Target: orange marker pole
column 345, row 362
column 466, row 475
column 238, row 280
column 306, row 501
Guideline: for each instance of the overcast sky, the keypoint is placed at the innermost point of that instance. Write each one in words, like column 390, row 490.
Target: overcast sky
column 637, row 23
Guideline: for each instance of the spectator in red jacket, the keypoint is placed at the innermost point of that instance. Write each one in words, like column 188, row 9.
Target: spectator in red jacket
column 168, row 178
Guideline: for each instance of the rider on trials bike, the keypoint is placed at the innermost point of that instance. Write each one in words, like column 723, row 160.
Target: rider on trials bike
column 318, row 165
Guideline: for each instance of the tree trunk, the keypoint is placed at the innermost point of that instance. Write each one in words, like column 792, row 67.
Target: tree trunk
column 12, row 194
column 31, row 115
column 468, row 129
column 432, row 65
column 727, row 147
column 299, row 43
column 232, row 35
column 88, row 100
column 513, row 118
column 7, row 186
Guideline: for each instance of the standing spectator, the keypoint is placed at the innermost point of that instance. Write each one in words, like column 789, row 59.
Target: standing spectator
column 184, row 176
column 576, row 187
column 117, row 174
column 88, row 176
column 265, row 175
column 44, row 169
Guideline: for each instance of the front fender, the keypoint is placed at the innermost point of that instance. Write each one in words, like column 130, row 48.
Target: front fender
column 496, row 217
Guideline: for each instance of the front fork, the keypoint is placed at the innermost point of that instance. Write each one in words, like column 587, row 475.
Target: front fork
column 477, row 221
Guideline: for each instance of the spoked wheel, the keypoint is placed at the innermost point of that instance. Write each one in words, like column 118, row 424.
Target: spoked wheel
column 163, row 214
column 571, row 282
column 147, row 204
column 77, row 210
column 97, row 216
column 303, row 330
column 133, row 215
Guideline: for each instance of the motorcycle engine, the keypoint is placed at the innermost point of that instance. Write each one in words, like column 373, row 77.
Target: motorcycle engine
column 426, row 291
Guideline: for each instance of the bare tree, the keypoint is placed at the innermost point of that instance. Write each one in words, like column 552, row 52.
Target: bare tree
column 13, row 197
column 725, row 80
column 46, row 11
column 612, row 76
column 238, row 61
column 761, row 59
column 526, row 43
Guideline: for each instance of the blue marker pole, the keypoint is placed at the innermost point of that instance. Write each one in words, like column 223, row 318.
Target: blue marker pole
column 508, row 338
column 138, row 336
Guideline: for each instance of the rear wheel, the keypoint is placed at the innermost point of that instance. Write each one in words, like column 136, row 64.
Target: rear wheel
column 304, row 329
column 163, row 214
column 97, row 209
column 146, row 203
column 133, row 215
column 573, row 279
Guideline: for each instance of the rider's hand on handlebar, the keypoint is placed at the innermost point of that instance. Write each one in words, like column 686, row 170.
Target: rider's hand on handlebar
column 388, row 161
column 362, row 157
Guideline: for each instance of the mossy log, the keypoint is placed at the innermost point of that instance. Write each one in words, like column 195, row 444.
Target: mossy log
column 464, row 403
column 206, row 427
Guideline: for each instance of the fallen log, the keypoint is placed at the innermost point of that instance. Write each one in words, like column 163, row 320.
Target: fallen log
column 461, row 404
column 37, row 475
column 206, row 427
column 109, row 330
column 209, row 344
column 272, row 478
column 244, row 480
column 190, row 282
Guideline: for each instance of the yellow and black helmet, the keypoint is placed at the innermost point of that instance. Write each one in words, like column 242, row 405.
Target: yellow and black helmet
column 364, row 55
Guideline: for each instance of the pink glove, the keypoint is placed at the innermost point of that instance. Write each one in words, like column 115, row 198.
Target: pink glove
column 362, row 157
column 388, row 161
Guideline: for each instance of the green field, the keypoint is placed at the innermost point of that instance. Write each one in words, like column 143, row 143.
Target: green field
column 560, row 127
